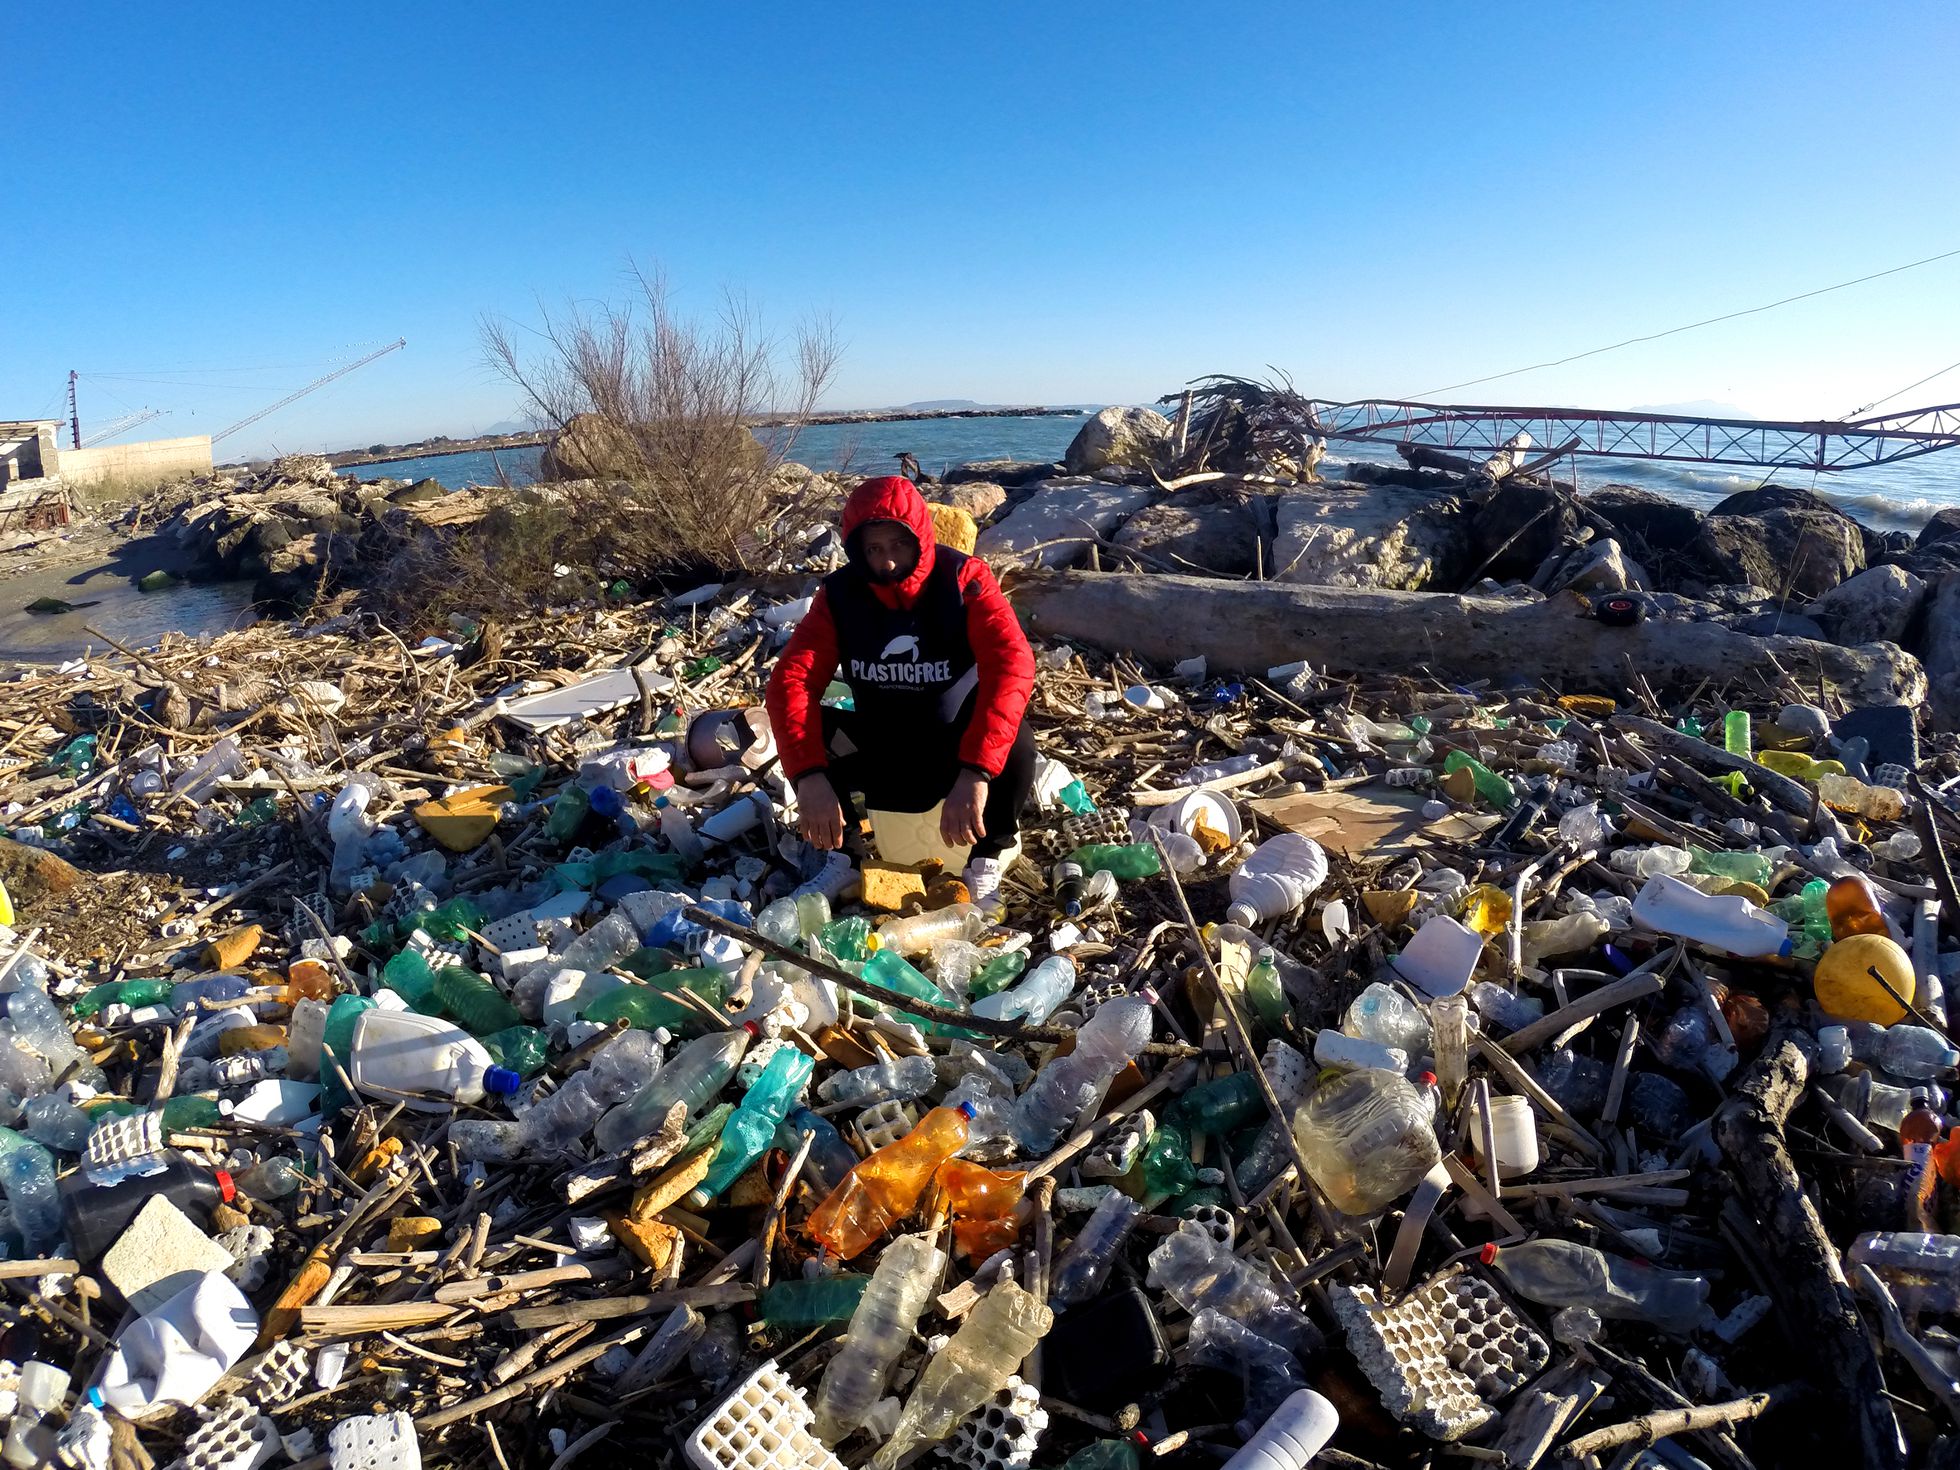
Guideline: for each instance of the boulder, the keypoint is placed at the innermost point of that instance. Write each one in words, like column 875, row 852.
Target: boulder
column 1538, row 515
column 589, row 446
column 1796, row 551
column 1887, row 545
column 1778, row 622
column 1650, row 522
column 1944, row 526
column 1602, row 567
column 1930, row 563
column 1008, row 472
column 1874, row 606
column 1067, row 512
column 1941, row 651
column 1768, row 498
column 1213, row 535
column 33, row 875
column 1132, row 437
column 1349, row 535
column 978, row 498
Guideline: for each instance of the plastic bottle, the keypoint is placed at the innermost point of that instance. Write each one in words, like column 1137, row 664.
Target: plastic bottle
column 1740, row 867
column 1916, row 1052
column 27, row 1173
column 1332, row 1048
column 1934, row 1259
column 1853, row 797
column 1127, row 861
column 271, row 1179
column 655, row 1005
column 1104, row 1454
column 918, row 933
column 187, row 997
column 1450, row 1019
column 747, row 1134
column 1268, row 1372
column 1367, row 1139
column 997, row 973
column 778, row 922
column 348, row 824
column 133, row 993
column 1563, row 1273
column 990, row 1344
column 1383, row 1014
column 617, row 1071
column 1222, row 1105
column 1487, row 910
column 409, row 976
column 1277, row 879
column 1735, row 734
column 1733, row 924
column 847, row 940
column 830, row 1157
column 602, row 946
column 1109, row 1041
column 1067, row 883
column 1081, row 1270
column 1645, row 862
column 54, row 1121
column 694, row 1075
column 1490, row 786
column 1569, row 934
column 477, row 1005
column 30, row 1018
column 1852, row 907
column 336, row 1042
column 1035, row 998
column 397, row 1054
column 520, row 1049
column 1266, row 995
column 982, row 1203
column 1197, row 1272
column 1298, row 1430
column 240, row 1040
column 886, row 1187
column 812, row 1303
column 719, row 1349
column 895, row 1077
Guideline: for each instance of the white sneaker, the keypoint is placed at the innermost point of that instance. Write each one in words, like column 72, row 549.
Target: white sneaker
column 982, row 879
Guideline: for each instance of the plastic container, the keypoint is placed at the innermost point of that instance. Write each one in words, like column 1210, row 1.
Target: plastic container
column 887, row 1186
column 1563, row 1273
column 1184, row 814
column 1297, row 1431
column 1383, row 1014
column 1852, row 907
column 400, row 1056
column 1846, row 990
column 177, row 1353
column 918, row 933
column 1337, row 1049
column 27, row 1171
column 881, row 1327
column 1081, row 1270
column 1368, row 1139
column 1441, row 957
column 1515, row 1129
column 1732, row 925
column 692, row 1076
column 1276, row 880
column 1035, row 998
column 1917, row 1053
column 95, row 1215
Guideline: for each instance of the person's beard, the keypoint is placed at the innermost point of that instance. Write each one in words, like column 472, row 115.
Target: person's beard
column 893, row 577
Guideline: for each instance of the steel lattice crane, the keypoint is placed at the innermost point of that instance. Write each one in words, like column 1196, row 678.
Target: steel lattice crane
column 339, row 372
column 122, row 425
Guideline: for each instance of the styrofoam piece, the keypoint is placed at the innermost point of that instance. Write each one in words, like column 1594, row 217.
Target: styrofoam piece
column 375, row 1442
column 884, row 1123
column 1003, row 1433
column 119, row 1148
column 1215, row 1221
column 763, row 1425
column 83, row 1443
column 1286, row 1068
column 250, row 1248
column 1114, row 1156
column 1442, row 1354
column 512, row 932
column 233, row 1436
column 160, row 1253
column 282, row 1374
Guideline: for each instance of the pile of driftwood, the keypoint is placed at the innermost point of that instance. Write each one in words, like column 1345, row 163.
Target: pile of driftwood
column 515, row 1310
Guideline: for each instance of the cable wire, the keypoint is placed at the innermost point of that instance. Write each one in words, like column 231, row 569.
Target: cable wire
column 1861, row 412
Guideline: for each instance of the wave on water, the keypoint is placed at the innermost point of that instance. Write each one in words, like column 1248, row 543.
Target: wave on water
column 1915, row 510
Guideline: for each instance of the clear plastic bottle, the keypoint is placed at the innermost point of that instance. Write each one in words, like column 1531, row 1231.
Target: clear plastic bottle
column 1367, row 1139
column 1574, row 933
column 602, row 946
column 1685, row 1039
column 55, row 1122
column 1333, row 1048
column 887, row 1186
column 973, row 1367
column 1035, row 998
column 1645, row 862
column 881, row 1327
column 271, row 1179
column 1916, row 1052
column 27, row 1174
column 1564, row 1273
column 918, row 933
column 1268, row 1371
column 778, row 922
column 348, row 824
column 1082, row 1269
column 812, row 912
column 693, row 1076
column 1505, row 1009
column 615, row 1072
column 30, row 1018
column 1449, row 1019
column 1383, row 1014
column 1853, row 797
column 1103, row 1047
column 895, row 1077
column 1197, row 1272
column 830, row 1157
column 713, row 1358
column 1277, row 879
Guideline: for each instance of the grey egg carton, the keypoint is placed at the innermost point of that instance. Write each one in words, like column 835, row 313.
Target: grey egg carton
column 251, row 1256
column 1443, row 1354
column 1112, row 1158
column 233, row 1436
column 283, row 1374
column 1003, row 1433
column 83, row 1443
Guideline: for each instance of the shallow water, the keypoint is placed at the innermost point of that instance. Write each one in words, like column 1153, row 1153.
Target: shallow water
column 136, row 618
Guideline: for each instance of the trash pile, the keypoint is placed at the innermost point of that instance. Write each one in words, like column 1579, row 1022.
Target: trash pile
column 449, row 1054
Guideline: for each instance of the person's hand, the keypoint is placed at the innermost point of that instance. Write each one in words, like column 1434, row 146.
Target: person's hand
column 821, row 813
column 960, row 823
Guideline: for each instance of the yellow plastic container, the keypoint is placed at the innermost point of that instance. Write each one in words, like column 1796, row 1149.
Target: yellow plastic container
column 1847, row 992
column 6, row 907
column 1796, row 765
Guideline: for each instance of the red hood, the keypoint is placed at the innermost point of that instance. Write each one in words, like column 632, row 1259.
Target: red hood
column 891, row 498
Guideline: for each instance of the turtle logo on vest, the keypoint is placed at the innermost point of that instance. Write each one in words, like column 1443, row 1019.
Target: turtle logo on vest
column 907, row 644
column 901, row 665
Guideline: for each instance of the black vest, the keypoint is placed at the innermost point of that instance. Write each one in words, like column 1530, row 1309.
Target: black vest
column 907, row 667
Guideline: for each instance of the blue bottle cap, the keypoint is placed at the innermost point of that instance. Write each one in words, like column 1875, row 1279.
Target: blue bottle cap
column 970, row 1110
column 501, row 1080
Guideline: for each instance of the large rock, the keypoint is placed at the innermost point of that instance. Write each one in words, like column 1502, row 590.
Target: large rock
column 1875, row 606
column 1944, row 526
column 1065, row 512
column 1941, row 652
column 1349, row 535
column 1647, row 521
column 1200, row 534
column 1600, row 568
column 1767, row 498
column 978, row 498
column 32, row 876
column 1520, row 524
column 1008, row 472
column 1134, row 438
column 1792, row 551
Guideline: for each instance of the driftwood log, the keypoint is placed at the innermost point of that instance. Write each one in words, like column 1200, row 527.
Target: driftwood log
column 1248, row 627
column 1816, row 1301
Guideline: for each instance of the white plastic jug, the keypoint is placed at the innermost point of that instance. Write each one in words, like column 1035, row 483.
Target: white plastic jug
column 177, row 1354
column 1299, row 1430
column 1277, row 879
column 400, row 1052
column 1730, row 923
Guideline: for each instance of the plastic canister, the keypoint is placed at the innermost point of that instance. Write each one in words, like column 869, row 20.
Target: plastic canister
column 742, row 815
column 1516, row 1134
column 1441, row 957
column 1182, row 815
column 1298, row 1430
column 177, row 1354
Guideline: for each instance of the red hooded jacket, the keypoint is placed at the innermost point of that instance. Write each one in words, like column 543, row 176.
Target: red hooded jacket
column 1000, row 649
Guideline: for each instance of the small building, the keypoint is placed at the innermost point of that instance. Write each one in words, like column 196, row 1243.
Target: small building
column 27, row 450
column 31, row 452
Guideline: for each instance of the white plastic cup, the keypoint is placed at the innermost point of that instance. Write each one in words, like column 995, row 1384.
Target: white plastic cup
column 1515, row 1130
column 1298, row 1430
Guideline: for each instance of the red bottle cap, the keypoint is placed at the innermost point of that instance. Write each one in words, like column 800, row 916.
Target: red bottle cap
column 227, row 1191
column 753, row 1029
column 1488, row 1254
column 1427, row 1079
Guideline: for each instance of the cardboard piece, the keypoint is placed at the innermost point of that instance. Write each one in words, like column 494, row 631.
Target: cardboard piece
column 1368, row 823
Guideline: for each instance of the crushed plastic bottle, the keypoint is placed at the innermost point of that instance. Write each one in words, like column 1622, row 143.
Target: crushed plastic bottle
column 748, row 1132
column 918, row 933
column 880, row 1329
column 1081, row 1270
column 1197, row 1273
column 1383, row 1014
column 1733, row 924
column 694, row 1076
column 1065, row 1085
column 1036, row 997
column 1564, row 1273
column 887, row 1186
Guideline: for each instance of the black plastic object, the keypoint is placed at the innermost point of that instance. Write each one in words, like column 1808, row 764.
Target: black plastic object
column 97, row 1214
column 1619, row 609
column 1104, row 1353
column 1891, row 736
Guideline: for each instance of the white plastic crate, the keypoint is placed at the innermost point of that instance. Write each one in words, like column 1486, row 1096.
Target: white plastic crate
column 763, row 1425
column 1003, row 1433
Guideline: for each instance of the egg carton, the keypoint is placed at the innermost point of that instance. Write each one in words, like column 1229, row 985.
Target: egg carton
column 1114, row 1156
column 1097, row 994
column 251, row 1256
column 282, row 1375
column 1002, row 1434
column 83, row 1443
column 298, row 930
column 121, row 1147
column 374, row 1442
column 1112, row 825
column 1215, row 1220
column 438, row 954
column 884, row 1123
column 233, row 1436
column 1439, row 1356
column 763, row 1425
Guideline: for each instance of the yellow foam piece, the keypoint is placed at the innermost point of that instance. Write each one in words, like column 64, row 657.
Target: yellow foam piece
column 953, row 527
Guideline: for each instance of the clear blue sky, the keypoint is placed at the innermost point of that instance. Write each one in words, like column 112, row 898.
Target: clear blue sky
column 1018, row 202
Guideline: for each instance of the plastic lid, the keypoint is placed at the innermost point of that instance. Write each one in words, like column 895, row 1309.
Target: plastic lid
column 227, row 1188
column 1427, row 1079
column 501, row 1080
column 1242, row 914
column 752, row 1028
column 1488, row 1254
column 970, row 1110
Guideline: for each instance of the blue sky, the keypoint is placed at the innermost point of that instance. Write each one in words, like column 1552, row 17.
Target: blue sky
column 1014, row 202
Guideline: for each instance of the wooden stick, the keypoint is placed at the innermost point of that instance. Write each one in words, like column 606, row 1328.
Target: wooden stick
column 1651, row 1429
column 1899, row 1338
column 1519, row 1080
column 533, row 1319
column 1637, row 985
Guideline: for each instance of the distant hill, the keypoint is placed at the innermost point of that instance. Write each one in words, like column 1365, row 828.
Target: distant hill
column 513, row 426
column 1700, row 408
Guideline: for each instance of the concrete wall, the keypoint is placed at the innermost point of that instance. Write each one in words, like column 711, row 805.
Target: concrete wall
column 150, row 461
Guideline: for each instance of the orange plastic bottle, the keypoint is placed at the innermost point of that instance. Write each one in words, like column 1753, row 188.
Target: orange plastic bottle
column 309, row 980
column 1852, row 908
column 886, row 1187
column 242, row 1039
column 982, row 1202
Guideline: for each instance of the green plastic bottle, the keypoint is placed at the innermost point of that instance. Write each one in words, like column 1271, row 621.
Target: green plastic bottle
column 1266, row 995
column 449, row 920
column 1165, row 1169
column 124, row 992
column 338, row 1039
column 1105, row 1454
column 472, row 1001
column 1220, row 1105
column 259, row 811
column 1127, row 860
column 647, row 962
column 1491, row 787
column 847, row 939
column 191, row 1113
column 889, row 968
column 1742, row 867
column 813, row 1303
column 748, row 1132
column 409, row 976
column 519, row 1049
column 651, row 1006
column 997, row 974
column 568, row 812
column 1735, row 734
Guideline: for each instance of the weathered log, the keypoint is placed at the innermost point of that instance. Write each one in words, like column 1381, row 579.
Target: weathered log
column 1247, row 627
column 1816, row 1300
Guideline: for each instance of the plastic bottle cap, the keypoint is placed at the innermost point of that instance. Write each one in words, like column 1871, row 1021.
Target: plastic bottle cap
column 752, row 1028
column 1242, row 914
column 1488, row 1254
column 1427, row 1079
column 227, row 1187
column 501, row 1080
column 970, row 1110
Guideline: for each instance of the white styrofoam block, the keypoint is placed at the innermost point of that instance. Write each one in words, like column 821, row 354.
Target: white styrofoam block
column 763, row 1425
column 250, row 1248
column 158, row 1254
column 375, row 1442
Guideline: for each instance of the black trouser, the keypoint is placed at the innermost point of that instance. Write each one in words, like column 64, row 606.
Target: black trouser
column 917, row 775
